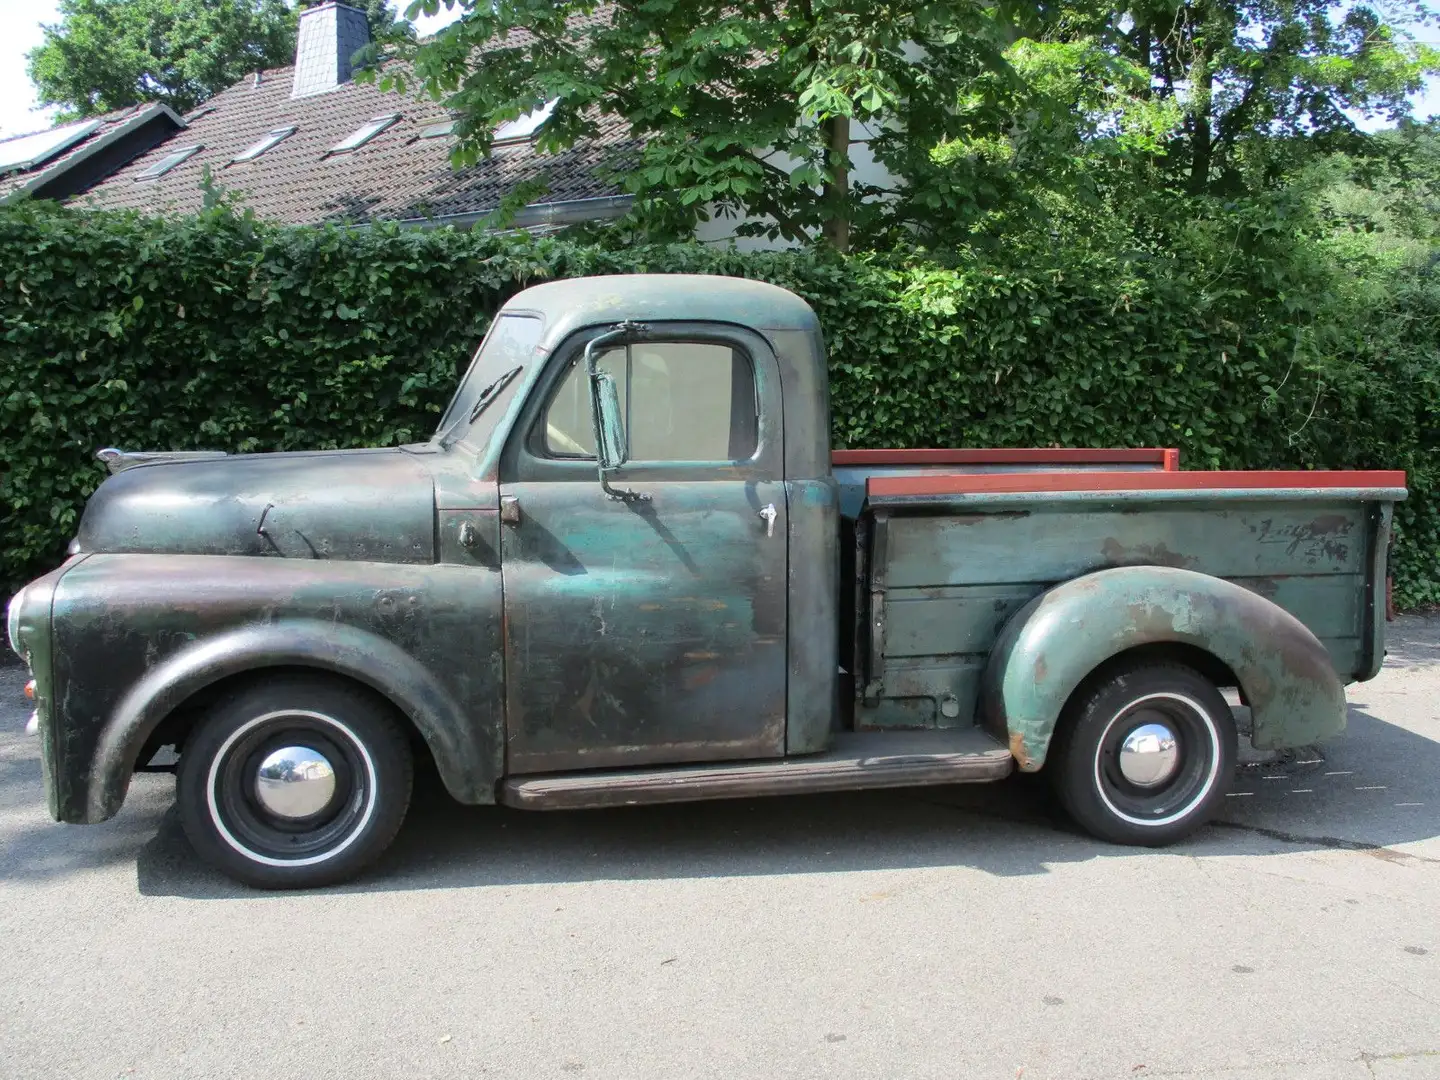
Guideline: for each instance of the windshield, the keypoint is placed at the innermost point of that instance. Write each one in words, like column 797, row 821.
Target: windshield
column 503, row 355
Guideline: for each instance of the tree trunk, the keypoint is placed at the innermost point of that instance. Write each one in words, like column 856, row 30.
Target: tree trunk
column 1200, row 152
column 836, row 195
column 1142, row 54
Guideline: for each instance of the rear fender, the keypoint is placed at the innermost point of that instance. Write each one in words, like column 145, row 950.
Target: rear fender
column 336, row 648
column 1053, row 643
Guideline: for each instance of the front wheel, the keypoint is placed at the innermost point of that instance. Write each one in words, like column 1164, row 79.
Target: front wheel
column 1144, row 755
column 294, row 782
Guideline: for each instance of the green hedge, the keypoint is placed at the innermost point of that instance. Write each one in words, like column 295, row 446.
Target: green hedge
column 219, row 332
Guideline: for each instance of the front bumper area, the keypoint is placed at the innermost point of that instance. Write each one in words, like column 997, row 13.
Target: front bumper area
column 28, row 627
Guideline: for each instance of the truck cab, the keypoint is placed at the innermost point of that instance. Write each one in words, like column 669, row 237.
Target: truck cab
column 628, row 568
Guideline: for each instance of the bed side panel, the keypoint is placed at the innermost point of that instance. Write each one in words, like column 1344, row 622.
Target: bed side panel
column 952, row 580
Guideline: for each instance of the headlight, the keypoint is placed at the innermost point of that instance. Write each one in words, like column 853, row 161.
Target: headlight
column 12, row 622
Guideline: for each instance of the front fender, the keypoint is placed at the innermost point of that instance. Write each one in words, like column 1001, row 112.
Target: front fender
column 344, row 650
column 1049, row 646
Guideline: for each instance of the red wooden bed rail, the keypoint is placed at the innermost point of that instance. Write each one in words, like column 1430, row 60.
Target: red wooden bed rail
column 1024, row 483
column 1167, row 459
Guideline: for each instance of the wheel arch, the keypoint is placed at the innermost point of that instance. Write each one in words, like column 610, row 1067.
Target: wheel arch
column 1071, row 634
column 175, row 727
column 169, row 689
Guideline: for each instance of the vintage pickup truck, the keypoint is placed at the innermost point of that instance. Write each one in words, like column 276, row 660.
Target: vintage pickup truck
column 712, row 605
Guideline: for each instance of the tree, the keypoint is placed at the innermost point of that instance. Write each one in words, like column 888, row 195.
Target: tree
column 1265, row 83
column 1119, row 125
column 386, row 24
column 739, row 107
column 108, row 54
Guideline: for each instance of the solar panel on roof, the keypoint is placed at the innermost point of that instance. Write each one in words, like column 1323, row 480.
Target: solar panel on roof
column 28, row 151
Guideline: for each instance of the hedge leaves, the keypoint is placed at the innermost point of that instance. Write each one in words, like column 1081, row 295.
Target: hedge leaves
column 219, row 332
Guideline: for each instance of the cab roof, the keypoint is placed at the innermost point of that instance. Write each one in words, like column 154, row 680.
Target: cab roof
column 575, row 303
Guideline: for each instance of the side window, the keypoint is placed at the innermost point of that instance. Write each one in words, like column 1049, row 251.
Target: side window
column 569, row 423
column 682, row 401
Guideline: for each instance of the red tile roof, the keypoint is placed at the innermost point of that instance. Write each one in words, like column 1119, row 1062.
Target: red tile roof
column 396, row 175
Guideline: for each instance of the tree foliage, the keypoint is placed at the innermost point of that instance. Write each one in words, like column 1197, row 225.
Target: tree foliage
column 109, row 54
column 980, row 113
column 1261, row 84
column 742, row 108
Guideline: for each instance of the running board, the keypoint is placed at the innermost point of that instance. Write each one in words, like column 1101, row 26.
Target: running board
column 878, row 759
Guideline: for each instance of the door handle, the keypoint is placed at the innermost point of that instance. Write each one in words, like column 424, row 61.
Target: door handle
column 769, row 514
column 509, row 510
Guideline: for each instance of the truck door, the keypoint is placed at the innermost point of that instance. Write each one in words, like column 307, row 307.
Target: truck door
column 644, row 632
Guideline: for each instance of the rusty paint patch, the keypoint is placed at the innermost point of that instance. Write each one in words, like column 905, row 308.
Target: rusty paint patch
column 697, row 677
column 1144, row 555
column 1267, row 587
column 1018, row 751
column 704, row 603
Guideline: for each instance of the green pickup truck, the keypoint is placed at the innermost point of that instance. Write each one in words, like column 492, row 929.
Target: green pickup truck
column 628, row 568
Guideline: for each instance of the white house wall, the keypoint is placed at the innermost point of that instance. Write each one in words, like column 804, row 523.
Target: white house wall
column 865, row 170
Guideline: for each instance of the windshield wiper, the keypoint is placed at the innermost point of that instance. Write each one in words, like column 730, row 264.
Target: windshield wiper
column 491, row 392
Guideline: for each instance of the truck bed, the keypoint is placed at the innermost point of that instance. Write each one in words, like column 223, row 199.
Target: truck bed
column 944, row 558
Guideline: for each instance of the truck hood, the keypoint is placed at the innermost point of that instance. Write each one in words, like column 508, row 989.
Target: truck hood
column 371, row 505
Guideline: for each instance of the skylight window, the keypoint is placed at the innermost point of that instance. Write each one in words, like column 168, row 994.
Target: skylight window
column 28, row 151
column 168, row 162
column 365, row 134
column 438, row 131
column 272, row 138
column 524, row 127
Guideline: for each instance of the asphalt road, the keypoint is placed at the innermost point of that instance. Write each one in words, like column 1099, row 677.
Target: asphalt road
column 956, row 933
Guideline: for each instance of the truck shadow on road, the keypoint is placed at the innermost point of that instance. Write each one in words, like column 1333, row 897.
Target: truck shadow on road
column 1371, row 791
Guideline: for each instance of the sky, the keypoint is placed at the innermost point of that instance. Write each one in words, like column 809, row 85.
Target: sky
column 20, row 22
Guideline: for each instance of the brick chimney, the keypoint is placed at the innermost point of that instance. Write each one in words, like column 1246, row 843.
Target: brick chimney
column 330, row 34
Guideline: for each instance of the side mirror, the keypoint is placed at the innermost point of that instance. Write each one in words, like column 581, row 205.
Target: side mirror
column 611, row 450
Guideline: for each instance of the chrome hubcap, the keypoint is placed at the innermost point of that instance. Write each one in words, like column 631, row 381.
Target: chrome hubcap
column 295, row 782
column 1149, row 755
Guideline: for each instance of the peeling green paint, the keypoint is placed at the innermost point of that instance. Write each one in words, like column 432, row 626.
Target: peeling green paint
column 1062, row 636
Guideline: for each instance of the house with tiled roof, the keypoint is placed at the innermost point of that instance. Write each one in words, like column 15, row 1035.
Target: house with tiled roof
column 72, row 158
column 308, row 144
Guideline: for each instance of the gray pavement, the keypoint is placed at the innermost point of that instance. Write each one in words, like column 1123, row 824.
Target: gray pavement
column 962, row 932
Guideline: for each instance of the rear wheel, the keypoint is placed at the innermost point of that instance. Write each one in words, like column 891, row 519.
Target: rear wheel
column 1144, row 755
column 295, row 782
